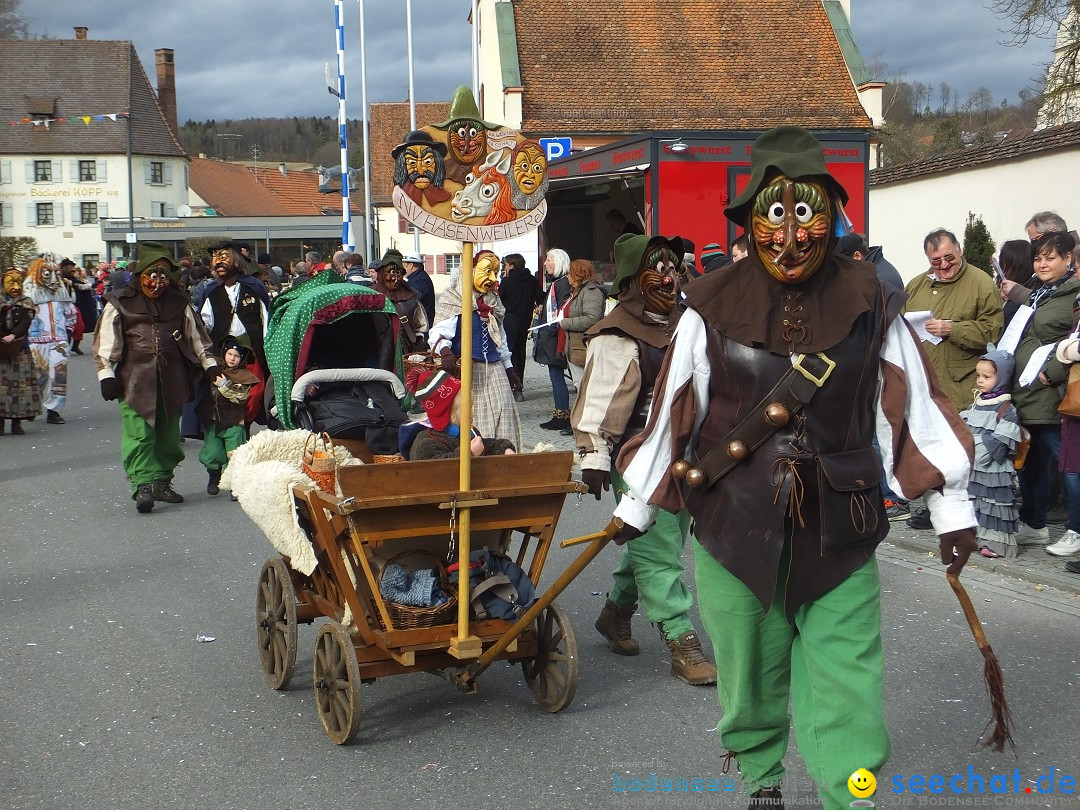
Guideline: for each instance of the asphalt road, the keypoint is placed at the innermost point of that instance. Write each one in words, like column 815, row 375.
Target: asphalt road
column 109, row 701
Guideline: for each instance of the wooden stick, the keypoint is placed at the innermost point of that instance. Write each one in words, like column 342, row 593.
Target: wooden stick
column 1001, row 718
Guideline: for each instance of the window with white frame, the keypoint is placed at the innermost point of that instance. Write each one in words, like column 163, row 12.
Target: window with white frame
column 88, row 213
column 43, row 171
column 91, row 260
column 87, row 171
column 453, row 262
column 157, row 173
column 44, row 213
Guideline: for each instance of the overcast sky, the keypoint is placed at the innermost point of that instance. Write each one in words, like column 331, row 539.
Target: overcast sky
column 953, row 41
column 265, row 58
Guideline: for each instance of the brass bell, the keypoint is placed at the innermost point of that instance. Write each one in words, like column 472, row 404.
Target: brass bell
column 679, row 469
column 737, row 449
column 776, row 414
column 695, row 478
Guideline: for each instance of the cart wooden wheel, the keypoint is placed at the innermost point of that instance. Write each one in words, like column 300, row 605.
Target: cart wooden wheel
column 337, row 683
column 275, row 614
column 553, row 674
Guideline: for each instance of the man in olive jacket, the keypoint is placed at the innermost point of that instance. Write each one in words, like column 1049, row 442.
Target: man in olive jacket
column 967, row 314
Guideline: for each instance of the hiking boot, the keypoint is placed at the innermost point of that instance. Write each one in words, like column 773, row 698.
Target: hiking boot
column 894, row 510
column 560, row 420
column 53, row 418
column 144, row 498
column 163, row 491
column 614, row 625
column 767, row 797
column 212, row 483
column 688, row 661
column 519, row 395
column 920, row 520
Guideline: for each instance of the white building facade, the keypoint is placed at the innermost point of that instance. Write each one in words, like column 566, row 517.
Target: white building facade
column 59, row 200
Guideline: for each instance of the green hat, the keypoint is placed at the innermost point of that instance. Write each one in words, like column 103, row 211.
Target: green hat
column 150, row 252
column 392, row 256
column 630, row 250
column 787, row 150
column 463, row 108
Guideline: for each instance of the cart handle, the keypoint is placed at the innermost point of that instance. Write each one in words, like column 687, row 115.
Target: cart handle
column 598, row 541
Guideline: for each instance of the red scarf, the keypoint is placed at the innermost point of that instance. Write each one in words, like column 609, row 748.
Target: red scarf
column 564, row 312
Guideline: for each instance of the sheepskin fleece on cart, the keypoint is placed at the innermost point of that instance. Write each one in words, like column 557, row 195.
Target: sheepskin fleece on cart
column 261, row 474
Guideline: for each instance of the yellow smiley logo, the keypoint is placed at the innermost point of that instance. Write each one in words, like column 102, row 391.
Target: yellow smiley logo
column 862, row 784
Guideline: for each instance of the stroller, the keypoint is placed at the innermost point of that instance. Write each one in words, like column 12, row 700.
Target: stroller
column 333, row 351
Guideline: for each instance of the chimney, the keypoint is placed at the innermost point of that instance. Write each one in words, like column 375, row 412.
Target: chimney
column 166, row 86
column 80, row 32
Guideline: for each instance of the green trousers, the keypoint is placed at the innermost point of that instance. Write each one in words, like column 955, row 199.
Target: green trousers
column 829, row 663
column 218, row 441
column 650, row 571
column 148, row 453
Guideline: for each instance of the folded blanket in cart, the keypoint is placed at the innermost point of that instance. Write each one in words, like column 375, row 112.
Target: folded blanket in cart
column 416, row 588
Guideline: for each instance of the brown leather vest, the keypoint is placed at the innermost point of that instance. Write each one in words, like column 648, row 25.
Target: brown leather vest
column 152, row 359
column 815, row 481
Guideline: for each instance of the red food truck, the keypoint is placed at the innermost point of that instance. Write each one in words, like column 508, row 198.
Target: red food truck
column 674, row 183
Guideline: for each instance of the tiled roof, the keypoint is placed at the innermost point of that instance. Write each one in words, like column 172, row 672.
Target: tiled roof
column 86, row 77
column 236, row 190
column 389, row 125
column 1044, row 140
column 622, row 66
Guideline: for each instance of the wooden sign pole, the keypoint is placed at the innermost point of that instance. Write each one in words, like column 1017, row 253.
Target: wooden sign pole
column 463, row 645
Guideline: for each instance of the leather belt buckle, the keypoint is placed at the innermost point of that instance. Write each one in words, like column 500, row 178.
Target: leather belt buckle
column 817, row 379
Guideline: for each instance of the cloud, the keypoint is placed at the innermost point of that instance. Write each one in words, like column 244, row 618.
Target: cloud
column 267, row 58
column 959, row 43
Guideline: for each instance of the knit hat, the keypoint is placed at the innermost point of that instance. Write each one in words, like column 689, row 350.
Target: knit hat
column 711, row 251
column 436, row 390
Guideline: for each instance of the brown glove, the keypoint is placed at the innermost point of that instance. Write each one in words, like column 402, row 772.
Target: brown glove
column 515, row 380
column 598, row 481
column 956, row 547
column 448, row 362
column 213, row 373
column 626, row 534
column 110, row 389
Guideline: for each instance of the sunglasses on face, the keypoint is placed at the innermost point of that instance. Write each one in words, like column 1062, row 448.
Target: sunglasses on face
column 949, row 259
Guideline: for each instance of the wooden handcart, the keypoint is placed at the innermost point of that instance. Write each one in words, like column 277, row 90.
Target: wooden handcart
column 514, row 504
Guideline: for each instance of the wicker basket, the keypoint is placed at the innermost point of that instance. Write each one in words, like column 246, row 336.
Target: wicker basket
column 411, row 617
column 319, row 462
column 429, row 363
column 394, row 459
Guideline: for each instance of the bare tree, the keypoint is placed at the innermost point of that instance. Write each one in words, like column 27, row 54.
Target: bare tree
column 12, row 24
column 1041, row 18
column 946, row 92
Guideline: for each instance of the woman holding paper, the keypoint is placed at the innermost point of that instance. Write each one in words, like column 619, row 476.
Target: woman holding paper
column 1039, row 376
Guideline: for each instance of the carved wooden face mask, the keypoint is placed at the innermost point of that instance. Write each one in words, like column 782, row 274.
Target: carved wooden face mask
column 467, row 142
column 13, row 282
column 486, row 273
column 658, row 281
column 154, row 279
column 790, row 224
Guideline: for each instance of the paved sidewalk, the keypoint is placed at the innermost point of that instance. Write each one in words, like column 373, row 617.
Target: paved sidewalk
column 1033, row 565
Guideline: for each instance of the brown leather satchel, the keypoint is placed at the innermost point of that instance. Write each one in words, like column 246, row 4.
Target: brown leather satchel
column 1070, row 404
